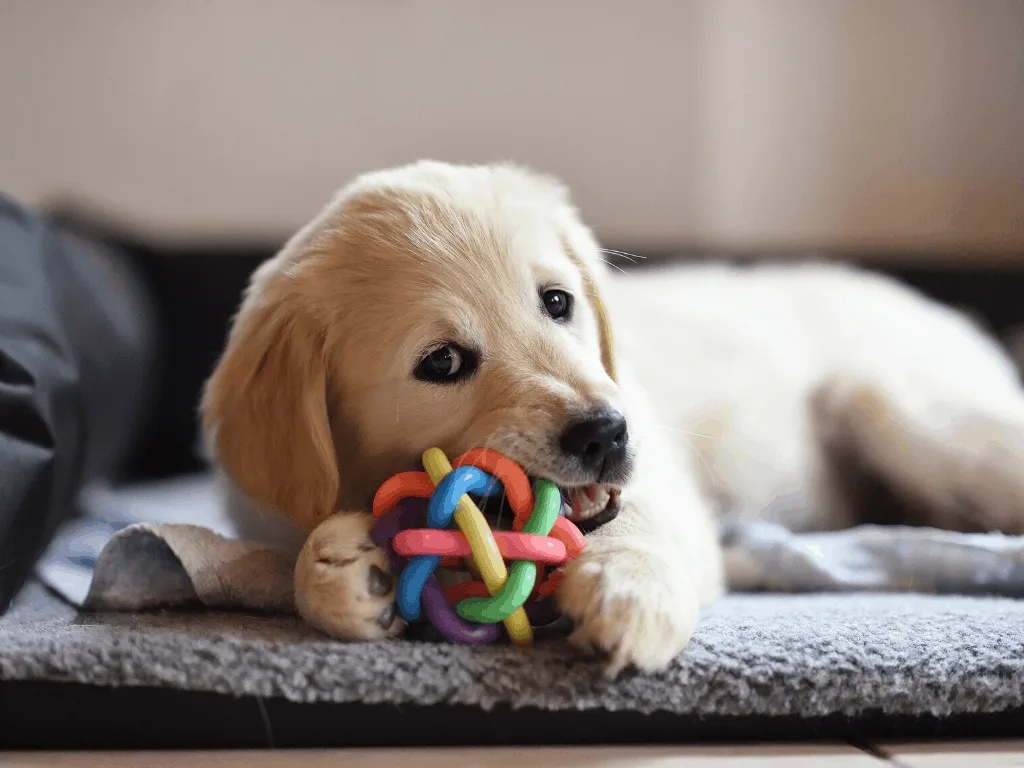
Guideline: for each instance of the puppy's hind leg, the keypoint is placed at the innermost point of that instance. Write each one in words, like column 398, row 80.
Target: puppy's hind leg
column 953, row 461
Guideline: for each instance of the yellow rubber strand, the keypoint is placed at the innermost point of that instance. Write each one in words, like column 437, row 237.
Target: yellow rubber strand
column 474, row 527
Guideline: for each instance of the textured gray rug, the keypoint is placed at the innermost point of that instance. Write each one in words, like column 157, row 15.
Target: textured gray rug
column 806, row 655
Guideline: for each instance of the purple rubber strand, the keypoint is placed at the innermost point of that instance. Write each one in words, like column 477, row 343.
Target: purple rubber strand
column 408, row 513
column 448, row 622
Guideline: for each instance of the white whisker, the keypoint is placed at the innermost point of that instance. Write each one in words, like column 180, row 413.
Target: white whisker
column 683, row 431
column 615, row 266
column 630, row 259
column 694, row 448
column 624, row 254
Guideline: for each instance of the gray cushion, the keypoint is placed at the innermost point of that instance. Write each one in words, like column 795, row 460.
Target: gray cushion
column 809, row 655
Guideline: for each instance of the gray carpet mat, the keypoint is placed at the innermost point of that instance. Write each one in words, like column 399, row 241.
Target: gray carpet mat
column 775, row 655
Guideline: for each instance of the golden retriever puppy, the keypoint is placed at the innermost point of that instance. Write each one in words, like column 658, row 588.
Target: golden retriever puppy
column 446, row 306
column 451, row 306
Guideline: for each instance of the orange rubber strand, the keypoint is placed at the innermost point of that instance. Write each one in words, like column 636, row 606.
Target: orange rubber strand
column 551, row 584
column 566, row 532
column 517, row 484
column 404, row 485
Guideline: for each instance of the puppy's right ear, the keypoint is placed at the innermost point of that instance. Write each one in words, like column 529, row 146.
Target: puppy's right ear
column 265, row 410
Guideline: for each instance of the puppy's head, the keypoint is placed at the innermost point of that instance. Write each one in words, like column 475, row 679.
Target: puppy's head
column 431, row 305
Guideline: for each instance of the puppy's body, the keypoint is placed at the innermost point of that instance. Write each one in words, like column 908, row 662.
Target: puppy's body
column 422, row 307
column 754, row 372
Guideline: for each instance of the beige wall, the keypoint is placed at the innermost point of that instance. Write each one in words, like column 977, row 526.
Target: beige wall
column 738, row 123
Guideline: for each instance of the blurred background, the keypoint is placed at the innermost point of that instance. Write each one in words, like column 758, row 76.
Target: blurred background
column 198, row 134
column 866, row 125
column 181, row 141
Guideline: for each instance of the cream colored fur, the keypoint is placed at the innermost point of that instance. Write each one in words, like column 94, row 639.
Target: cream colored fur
column 747, row 393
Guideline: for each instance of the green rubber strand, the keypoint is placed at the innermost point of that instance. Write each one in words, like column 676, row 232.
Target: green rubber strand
column 522, row 575
column 499, row 606
column 545, row 509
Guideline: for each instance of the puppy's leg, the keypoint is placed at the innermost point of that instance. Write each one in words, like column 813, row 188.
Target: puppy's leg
column 342, row 582
column 955, row 459
column 636, row 591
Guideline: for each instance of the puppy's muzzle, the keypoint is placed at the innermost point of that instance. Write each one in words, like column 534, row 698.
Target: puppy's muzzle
column 597, row 442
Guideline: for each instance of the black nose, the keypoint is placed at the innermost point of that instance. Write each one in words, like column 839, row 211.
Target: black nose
column 597, row 439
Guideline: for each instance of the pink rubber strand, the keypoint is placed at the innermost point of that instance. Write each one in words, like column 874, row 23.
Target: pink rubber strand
column 511, row 546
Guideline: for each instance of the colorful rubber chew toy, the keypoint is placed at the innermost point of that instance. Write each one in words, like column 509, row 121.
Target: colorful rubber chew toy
column 540, row 540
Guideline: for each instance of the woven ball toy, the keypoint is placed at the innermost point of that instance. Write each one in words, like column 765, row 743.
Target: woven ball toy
column 426, row 520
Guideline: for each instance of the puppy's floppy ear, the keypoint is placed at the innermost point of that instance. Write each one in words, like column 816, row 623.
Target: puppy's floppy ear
column 582, row 248
column 265, row 408
column 604, row 327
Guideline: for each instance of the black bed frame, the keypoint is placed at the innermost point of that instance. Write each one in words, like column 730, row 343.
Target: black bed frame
column 36, row 715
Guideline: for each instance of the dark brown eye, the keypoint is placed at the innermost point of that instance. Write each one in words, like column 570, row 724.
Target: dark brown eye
column 557, row 303
column 446, row 364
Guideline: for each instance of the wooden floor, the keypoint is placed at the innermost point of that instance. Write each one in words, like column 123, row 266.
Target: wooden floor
column 938, row 755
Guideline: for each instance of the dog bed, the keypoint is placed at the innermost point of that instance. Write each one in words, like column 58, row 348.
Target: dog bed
column 834, row 662
column 826, row 663
column 761, row 666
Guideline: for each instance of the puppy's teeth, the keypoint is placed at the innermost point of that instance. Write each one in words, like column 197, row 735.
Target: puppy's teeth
column 587, row 502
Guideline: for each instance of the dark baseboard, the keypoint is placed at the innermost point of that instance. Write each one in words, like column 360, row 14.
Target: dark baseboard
column 42, row 715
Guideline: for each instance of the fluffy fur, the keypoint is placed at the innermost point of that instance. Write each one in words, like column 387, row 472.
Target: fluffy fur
column 765, row 392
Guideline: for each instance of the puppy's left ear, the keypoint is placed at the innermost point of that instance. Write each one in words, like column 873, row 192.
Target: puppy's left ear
column 265, row 408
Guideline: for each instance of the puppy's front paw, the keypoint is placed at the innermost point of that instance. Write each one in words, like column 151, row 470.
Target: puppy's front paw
column 627, row 603
column 342, row 582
